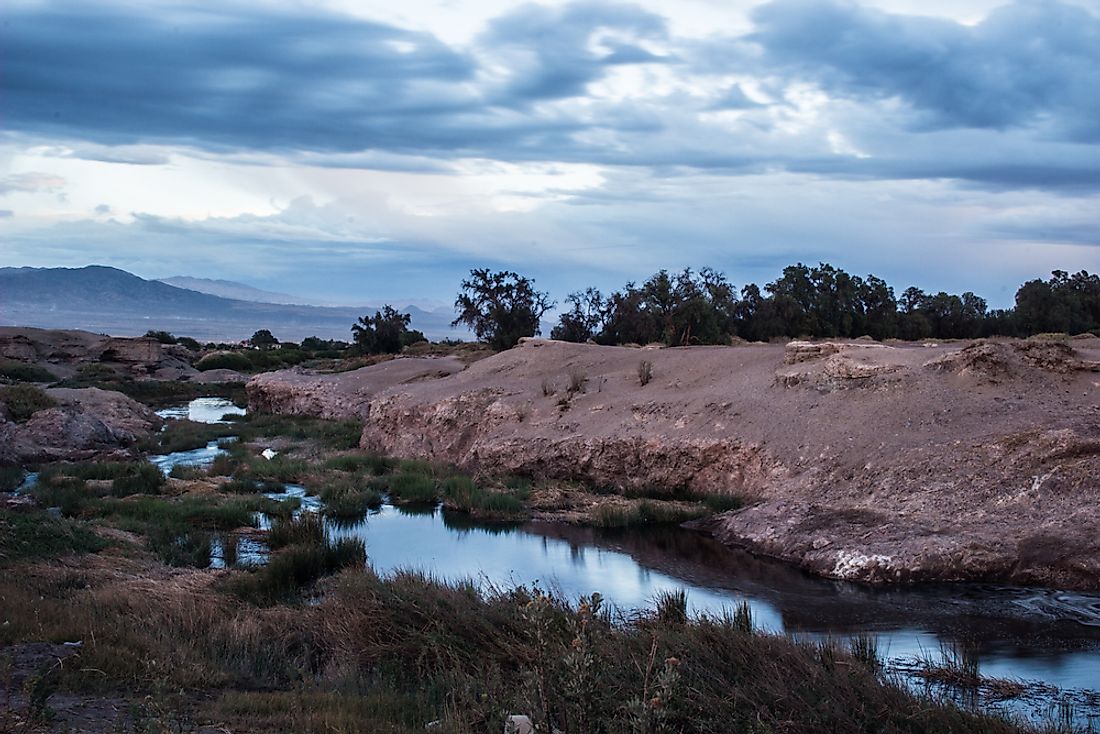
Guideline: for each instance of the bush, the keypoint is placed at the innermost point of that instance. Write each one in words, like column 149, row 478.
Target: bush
column 24, row 372
column 224, row 361
column 645, row 372
column 23, row 401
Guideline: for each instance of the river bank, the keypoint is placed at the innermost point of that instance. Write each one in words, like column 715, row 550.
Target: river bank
column 965, row 461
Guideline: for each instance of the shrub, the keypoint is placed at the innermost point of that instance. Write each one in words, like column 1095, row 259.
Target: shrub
column 24, row 372
column 224, row 361
column 23, row 401
column 645, row 372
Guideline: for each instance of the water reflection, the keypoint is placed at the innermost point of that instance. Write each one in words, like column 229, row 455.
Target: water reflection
column 202, row 410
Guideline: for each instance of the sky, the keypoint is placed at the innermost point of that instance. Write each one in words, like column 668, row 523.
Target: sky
column 364, row 152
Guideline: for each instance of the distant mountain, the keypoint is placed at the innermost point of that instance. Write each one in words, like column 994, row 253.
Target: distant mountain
column 232, row 289
column 99, row 298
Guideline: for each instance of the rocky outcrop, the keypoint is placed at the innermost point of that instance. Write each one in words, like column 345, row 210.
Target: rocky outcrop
column 881, row 463
column 65, row 352
column 83, row 424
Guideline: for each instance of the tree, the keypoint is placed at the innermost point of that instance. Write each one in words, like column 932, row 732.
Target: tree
column 584, row 320
column 384, row 333
column 263, row 339
column 500, row 307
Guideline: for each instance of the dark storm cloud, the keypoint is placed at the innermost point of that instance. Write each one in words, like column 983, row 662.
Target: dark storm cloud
column 328, row 89
column 1027, row 63
column 235, row 78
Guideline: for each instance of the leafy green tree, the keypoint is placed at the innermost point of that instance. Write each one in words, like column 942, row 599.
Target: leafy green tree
column 263, row 339
column 387, row 332
column 500, row 307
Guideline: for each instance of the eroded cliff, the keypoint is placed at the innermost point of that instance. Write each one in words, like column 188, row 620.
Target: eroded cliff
column 859, row 460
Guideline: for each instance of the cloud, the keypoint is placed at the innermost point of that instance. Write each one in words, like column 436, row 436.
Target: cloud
column 556, row 52
column 1026, row 64
column 6, row 214
column 31, row 182
column 852, row 92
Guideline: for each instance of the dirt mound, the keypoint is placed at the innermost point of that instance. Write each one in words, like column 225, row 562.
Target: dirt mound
column 914, row 475
column 998, row 360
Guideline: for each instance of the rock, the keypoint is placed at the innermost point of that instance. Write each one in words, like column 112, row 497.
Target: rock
column 518, row 724
column 64, row 352
column 86, row 423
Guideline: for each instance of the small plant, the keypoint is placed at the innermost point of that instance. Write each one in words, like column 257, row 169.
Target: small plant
column 672, row 607
column 864, row 648
column 548, row 388
column 577, row 381
column 306, row 529
column 23, row 401
column 645, row 372
column 24, row 372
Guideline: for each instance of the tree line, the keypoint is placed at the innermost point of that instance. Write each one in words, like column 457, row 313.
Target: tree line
column 703, row 307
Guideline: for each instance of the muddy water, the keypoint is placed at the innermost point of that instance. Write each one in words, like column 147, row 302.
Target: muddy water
column 1046, row 637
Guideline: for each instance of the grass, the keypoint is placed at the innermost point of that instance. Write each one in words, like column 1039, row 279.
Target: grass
column 412, row 488
column 461, row 493
column 348, row 499
column 34, row 534
column 23, row 401
column 639, row 512
column 126, row 477
column 306, row 529
column 297, row 566
column 390, row 654
column 185, row 435
column 15, row 371
column 362, row 463
column 339, row 435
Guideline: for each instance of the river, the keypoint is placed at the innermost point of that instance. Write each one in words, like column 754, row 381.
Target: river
column 1043, row 637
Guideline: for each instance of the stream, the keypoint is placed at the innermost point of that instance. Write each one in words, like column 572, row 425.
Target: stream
column 1044, row 638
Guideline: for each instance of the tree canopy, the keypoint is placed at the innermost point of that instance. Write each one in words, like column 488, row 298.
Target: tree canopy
column 387, row 332
column 500, row 307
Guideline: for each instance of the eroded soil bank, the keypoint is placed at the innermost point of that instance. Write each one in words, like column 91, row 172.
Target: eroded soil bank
column 959, row 461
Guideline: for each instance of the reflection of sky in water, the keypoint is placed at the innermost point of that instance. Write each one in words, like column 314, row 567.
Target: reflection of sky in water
column 202, row 410
column 195, row 457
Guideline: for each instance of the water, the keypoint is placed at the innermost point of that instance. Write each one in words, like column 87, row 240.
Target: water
column 199, row 410
column 1045, row 636
column 202, row 410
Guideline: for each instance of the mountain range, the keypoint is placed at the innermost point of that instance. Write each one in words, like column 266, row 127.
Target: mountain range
column 113, row 301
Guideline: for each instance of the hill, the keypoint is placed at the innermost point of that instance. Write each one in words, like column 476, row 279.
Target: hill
column 113, row 301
